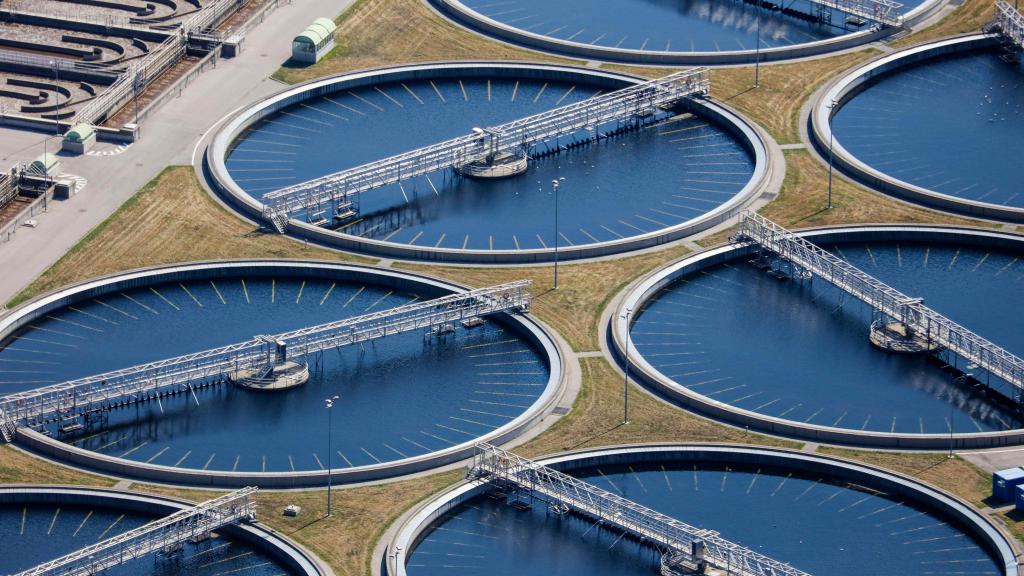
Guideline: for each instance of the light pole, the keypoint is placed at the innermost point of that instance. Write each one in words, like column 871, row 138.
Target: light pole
column 329, row 403
column 554, row 187
column 831, row 110
column 625, row 381
column 398, row 551
column 757, row 45
column 56, row 75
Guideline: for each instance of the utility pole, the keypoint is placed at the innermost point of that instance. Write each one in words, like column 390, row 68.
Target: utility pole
column 625, row 381
column 555, row 184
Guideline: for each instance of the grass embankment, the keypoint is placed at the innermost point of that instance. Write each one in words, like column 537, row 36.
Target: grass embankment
column 16, row 467
column 171, row 219
column 376, row 33
column 583, row 289
column 971, row 16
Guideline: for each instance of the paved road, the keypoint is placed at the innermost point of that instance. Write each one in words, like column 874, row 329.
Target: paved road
column 169, row 136
column 995, row 459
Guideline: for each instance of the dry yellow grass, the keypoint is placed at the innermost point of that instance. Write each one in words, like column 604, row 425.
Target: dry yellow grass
column 969, row 17
column 583, row 289
column 16, row 467
column 804, row 197
column 954, row 475
column 803, row 200
column 775, row 103
column 596, row 419
column 375, row 33
column 171, row 219
column 359, row 518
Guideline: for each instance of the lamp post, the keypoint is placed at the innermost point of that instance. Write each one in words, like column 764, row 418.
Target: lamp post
column 625, row 381
column 398, row 551
column 757, row 45
column 831, row 110
column 554, row 187
column 56, row 75
column 329, row 403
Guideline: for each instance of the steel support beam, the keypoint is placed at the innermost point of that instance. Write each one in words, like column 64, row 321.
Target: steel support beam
column 923, row 321
column 675, row 538
column 164, row 535
column 75, row 398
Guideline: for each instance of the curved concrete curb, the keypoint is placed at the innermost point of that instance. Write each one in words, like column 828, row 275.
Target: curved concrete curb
column 461, row 14
column 525, row 326
column 282, row 549
column 907, row 489
column 682, row 396
column 848, row 85
column 221, row 180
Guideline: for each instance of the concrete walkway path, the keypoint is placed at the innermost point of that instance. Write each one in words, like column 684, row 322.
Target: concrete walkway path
column 168, row 137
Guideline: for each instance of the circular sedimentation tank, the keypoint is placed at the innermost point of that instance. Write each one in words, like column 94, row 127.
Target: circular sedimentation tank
column 717, row 333
column 406, row 402
column 674, row 33
column 42, row 523
column 699, row 164
column 935, row 124
column 820, row 515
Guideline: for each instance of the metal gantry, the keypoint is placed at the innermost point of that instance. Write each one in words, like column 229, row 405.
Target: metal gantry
column 928, row 324
column 633, row 102
column 82, row 397
column 1010, row 22
column 881, row 11
column 164, row 535
column 565, row 493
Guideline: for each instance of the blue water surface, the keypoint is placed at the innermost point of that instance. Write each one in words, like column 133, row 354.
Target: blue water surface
column 817, row 524
column 800, row 351
column 401, row 396
column 666, row 25
column 676, row 169
column 948, row 125
column 35, row 533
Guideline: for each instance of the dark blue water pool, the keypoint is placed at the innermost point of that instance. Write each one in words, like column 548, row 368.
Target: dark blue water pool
column 666, row 25
column 817, row 524
column 670, row 172
column 801, row 351
column 35, row 533
column 948, row 125
column 402, row 396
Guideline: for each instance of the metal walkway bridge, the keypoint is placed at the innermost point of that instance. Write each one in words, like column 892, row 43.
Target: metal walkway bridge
column 163, row 535
column 629, row 103
column 881, row 11
column 70, row 400
column 1010, row 23
column 911, row 312
column 565, row 493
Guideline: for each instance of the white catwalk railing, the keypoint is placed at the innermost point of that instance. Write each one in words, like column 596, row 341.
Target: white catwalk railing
column 923, row 321
column 492, row 464
column 142, row 72
column 83, row 396
column 1010, row 22
column 627, row 103
column 163, row 535
column 881, row 11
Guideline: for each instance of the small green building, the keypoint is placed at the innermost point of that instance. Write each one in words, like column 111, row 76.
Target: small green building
column 79, row 139
column 45, row 165
column 314, row 41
